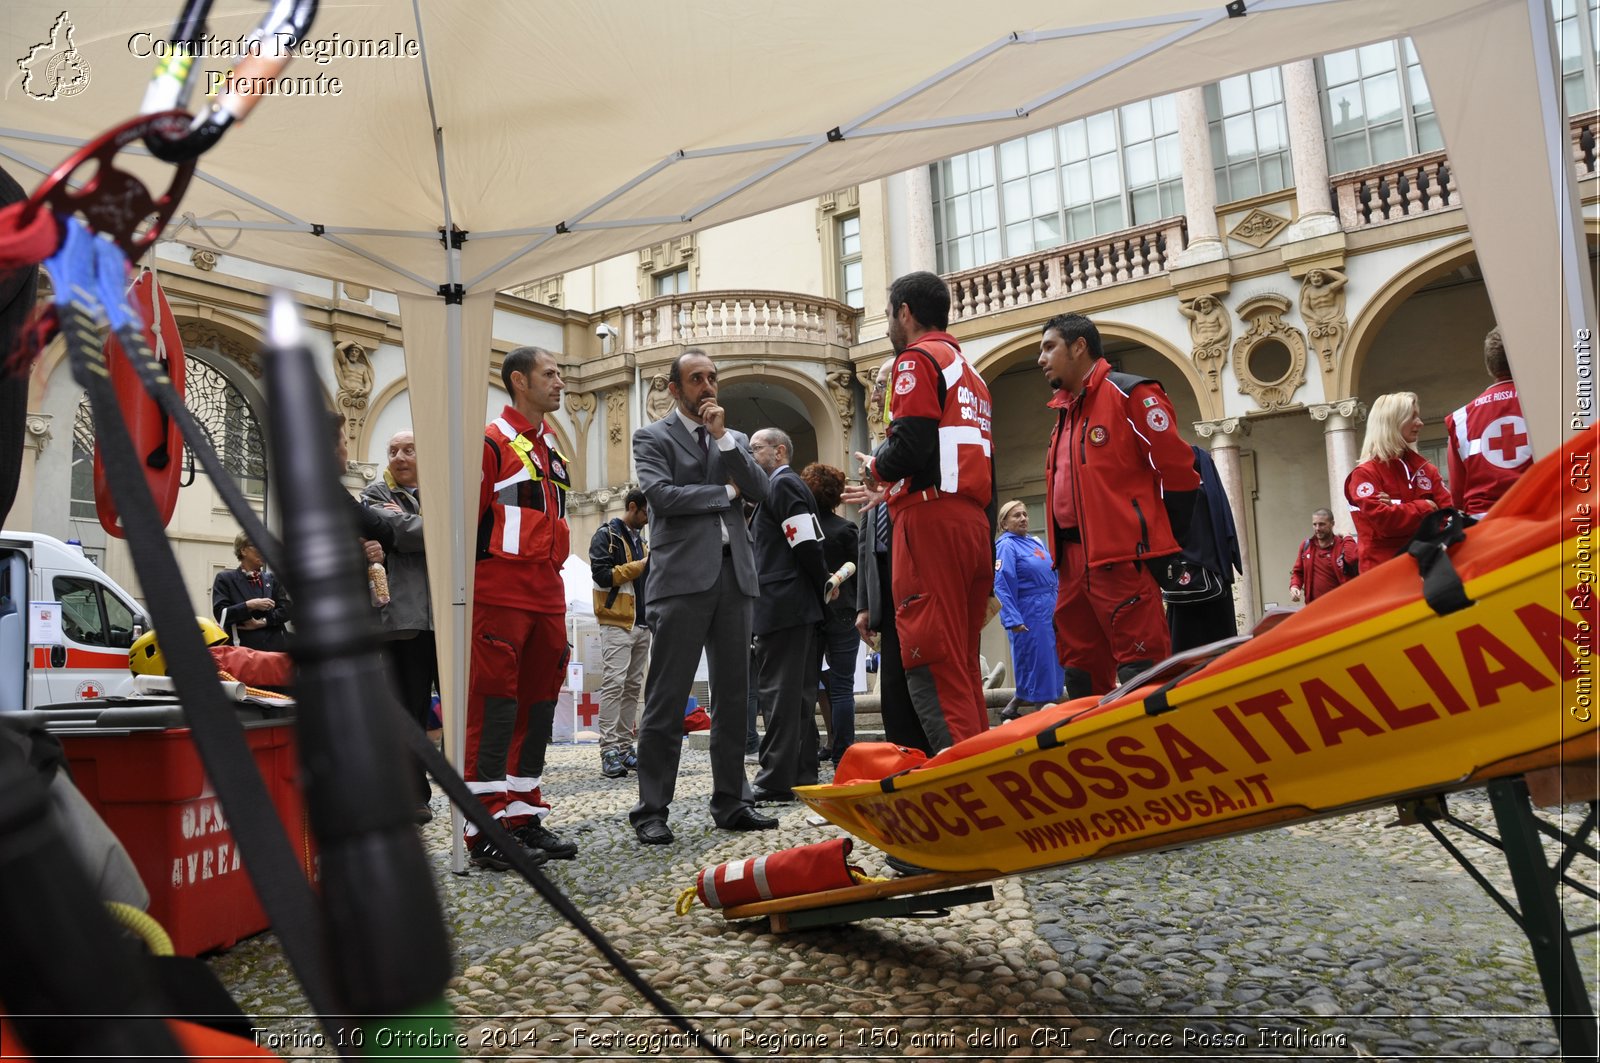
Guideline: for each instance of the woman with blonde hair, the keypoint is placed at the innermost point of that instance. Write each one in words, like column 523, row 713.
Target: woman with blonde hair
column 1394, row 487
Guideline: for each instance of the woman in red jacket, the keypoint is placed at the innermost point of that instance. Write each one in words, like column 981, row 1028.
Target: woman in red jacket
column 1394, row 487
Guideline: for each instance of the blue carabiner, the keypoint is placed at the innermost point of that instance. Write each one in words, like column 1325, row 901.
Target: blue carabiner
column 269, row 47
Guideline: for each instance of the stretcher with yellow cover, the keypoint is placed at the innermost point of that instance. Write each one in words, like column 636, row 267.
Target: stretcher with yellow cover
column 1378, row 693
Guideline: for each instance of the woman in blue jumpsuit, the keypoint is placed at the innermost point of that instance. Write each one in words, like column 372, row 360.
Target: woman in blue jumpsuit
column 1025, row 583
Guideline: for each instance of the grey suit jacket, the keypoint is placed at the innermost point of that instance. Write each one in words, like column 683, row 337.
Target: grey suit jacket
column 869, row 588
column 687, row 495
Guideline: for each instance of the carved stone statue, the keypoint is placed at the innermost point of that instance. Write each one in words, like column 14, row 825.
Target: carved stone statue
column 876, row 429
column 353, row 371
column 1210, row 330
column 1322, row 306
column 839, row 387
column 659, row 402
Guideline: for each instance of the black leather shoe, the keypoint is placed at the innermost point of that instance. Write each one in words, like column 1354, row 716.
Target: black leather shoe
column 536, row 835
column 489, row 856
column 654, row 832
column 771, row 797
column 750, row 819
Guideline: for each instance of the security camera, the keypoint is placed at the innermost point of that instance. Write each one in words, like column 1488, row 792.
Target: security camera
column 605, row 331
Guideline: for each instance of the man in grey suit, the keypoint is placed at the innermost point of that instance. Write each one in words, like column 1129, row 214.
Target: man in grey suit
column 692, row 469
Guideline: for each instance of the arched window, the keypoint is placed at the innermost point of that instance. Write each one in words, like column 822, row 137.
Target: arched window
column 225, row 417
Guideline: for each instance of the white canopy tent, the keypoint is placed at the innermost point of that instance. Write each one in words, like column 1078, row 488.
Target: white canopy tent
column 560, row 133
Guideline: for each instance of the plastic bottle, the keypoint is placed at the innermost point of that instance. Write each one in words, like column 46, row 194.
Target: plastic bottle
column 378, row 584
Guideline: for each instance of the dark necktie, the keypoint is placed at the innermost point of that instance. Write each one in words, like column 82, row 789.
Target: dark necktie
column 881, row 529
column 700, row 434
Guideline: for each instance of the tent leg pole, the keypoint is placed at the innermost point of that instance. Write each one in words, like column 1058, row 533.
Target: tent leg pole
column 1543, row 920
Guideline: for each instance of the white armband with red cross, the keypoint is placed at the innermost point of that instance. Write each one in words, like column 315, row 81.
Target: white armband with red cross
column 802, row 528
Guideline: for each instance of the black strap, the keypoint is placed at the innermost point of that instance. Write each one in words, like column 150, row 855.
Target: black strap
column 611, row 599
column 274, row 870
column 1441, row 585
column 1155, row 703
column 471, row 808
column 152, row 373
column 227, row 763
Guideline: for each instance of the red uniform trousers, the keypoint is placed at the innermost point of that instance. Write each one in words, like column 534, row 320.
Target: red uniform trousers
column 942, row 578
column 1107, row 616
column 519, row 661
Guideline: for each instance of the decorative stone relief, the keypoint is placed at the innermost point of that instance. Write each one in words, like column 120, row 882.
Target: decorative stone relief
column 668, row 255
column 1353, row 411
column 580, row 407
column 1210, row 329
column 876, row 429
column 1271, row 385
column 202, row 258
column 353, row 370
column 841, row 202
column 616, row 415
column 844, row 400
column 1226, row 426
column 659, row 401
column 1322, row 306
column 1258, row 228
column 37, row 429
column 205, row 334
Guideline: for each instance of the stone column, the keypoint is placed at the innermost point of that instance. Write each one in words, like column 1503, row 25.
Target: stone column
column 920, row 249
column 36, row 436
column 1340, row 420
column 1223, row 438
column 1309, row 153
column 1199, row 181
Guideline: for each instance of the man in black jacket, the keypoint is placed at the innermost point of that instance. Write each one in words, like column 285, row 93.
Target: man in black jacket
column 789, row 565
column 617, row 564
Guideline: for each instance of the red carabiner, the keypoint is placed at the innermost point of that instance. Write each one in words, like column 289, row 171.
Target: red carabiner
column 114, row 202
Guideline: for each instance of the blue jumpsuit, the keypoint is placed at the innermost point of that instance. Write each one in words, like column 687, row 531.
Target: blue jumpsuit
column 1026, row 586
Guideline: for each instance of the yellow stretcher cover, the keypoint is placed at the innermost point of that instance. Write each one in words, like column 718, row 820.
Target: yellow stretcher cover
column 1363, row 697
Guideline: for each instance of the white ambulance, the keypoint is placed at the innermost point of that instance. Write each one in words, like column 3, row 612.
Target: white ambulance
column 65, row 626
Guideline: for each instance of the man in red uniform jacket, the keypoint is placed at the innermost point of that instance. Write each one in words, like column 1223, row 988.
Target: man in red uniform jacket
column 519, row 632
column 1120, row 490
column 1325, row 560
column 1488, row 446
column 938, row 462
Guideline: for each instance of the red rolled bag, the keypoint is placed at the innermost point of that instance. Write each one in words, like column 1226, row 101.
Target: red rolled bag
column 804, row 869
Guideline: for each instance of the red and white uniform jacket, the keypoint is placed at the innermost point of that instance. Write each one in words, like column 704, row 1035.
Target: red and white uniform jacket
column 1384, row 525
column 1488, row 447
column 935, row 386
column 522, row 524
column 1115, row 456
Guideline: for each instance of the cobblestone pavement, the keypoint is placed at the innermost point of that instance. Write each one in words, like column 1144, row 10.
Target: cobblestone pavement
column 1337, row 939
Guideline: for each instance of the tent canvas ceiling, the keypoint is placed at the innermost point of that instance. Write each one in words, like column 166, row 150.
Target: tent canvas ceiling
column 625, row 123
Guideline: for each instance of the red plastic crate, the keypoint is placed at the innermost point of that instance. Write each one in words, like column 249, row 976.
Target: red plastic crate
column 152, row 792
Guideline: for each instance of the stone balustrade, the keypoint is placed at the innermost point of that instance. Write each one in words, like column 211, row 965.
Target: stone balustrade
column 1110, row 258
column 711, row 317
column 1400, row 189
column 1408, row 187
